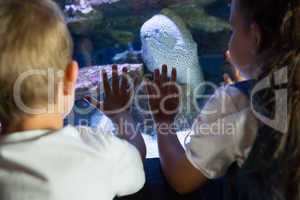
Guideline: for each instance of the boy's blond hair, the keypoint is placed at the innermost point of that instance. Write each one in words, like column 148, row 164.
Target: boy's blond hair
column 34, row 37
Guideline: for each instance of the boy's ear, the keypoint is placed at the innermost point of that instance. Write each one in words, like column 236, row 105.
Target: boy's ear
column 257, row 36
column 70, row 77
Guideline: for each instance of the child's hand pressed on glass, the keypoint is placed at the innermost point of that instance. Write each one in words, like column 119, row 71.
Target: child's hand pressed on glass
column 117, row 97
column 164, row 96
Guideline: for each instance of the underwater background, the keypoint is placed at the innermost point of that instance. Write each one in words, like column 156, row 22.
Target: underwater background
column 108, row 31
column 101, row 29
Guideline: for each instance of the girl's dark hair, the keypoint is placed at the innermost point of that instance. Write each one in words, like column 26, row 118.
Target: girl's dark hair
column 279, row 22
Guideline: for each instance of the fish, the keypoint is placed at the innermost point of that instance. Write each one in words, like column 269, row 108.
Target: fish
column 167, row 40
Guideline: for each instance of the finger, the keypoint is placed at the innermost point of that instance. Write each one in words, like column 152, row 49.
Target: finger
column 227, row 79
column 174, row 75
column 236, row 72
column 170, row 86
column 228, row 57
column 124, row 82
column 152, row 98
column 157, row 77
column 237, row 75
column 232, row 66
column 106, row 85
column 164, row 74
column 150, row 91
column 149, row 87
column 115, row 79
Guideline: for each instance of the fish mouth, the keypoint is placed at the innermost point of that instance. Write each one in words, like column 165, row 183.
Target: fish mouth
column 146, row 37
column 146, row 34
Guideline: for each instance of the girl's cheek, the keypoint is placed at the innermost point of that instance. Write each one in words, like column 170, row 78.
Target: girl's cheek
column 238, row 49
column 232, row 47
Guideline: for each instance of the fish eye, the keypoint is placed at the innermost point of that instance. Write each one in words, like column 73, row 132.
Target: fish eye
column 156, row 30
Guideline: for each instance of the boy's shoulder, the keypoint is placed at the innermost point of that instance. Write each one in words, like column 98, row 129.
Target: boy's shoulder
column 100, row 139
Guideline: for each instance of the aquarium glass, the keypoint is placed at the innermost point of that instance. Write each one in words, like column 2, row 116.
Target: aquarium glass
column 109, row 31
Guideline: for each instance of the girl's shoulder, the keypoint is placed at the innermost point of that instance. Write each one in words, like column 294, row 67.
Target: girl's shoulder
column 228, row 99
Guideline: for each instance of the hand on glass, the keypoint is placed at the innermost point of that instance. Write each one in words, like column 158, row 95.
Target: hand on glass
column 164, row 96
column 117, row 99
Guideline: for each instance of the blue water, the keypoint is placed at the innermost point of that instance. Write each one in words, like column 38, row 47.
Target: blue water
column 100, row 49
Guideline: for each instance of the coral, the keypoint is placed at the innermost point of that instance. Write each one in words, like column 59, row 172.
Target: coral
column 85, row 6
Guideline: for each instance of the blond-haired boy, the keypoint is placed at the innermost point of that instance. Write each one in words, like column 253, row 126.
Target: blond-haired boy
column 39, row 158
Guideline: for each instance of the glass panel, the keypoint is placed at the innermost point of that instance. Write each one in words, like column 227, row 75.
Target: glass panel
column 110, row 31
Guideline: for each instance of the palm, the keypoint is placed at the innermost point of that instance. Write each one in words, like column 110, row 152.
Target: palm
column 164, row 96
column 117, row 97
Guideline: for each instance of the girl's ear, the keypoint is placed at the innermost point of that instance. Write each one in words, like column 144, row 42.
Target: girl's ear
column 256, row 34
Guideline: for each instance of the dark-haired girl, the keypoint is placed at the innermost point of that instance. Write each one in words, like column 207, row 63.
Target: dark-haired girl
column 262, row 127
